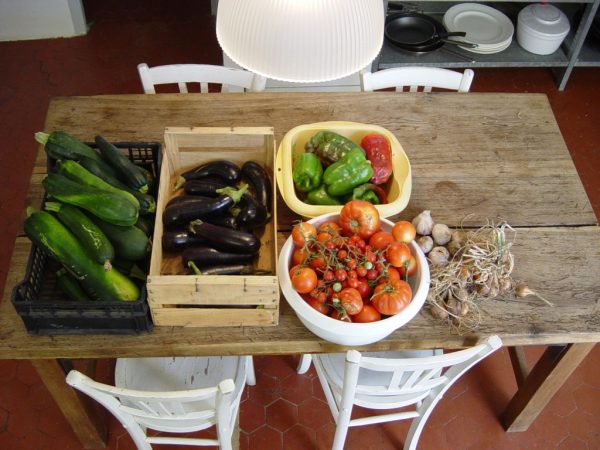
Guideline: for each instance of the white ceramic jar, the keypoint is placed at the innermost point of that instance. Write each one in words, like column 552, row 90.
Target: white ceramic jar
column 541, row 28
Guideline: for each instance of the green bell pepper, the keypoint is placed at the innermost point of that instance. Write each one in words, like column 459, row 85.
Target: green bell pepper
column 307, row 172
column 350, row 171
column 369, row 192
column 320, row 196
column 330, row 147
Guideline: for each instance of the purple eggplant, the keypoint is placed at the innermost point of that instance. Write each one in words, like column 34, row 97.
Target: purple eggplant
column 205, row 256
column 225, row 239
column 227, row 171
column 260, row 182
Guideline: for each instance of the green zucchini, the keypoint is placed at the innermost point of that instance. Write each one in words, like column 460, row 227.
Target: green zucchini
column 131, row 269
column 70, row 286
column 54, row 238
column 91, row 237
column 147, row 202
column 149, row 177
column 78, row 173
column 145, row 224
column 129, row 173
column 60, row 145
column 130, row 243
column 109, row 206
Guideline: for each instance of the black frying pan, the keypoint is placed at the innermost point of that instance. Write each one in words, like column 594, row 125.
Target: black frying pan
column 416, row 32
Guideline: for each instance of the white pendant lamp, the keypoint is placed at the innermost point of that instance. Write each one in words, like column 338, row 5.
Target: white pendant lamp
column 301, row 40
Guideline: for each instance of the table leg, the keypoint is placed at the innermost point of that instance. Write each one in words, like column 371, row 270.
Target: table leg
column 80, row 411
column 541, row 383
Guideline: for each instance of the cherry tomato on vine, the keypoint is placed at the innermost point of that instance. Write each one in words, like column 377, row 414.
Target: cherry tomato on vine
column 368, row 314
column 302, row 231
column 409, row 268
column 398, row 253
column 361, row 271
column 304, row 280
column 320, row 306
column 299, row 255
column 359, row 217
column 381, row 240
column 341, row 274
column 364, row 289
column 318, row 262
column 404, row 231
column 392, row 297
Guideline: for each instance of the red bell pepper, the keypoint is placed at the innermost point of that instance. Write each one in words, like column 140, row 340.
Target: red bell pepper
column 379, row 152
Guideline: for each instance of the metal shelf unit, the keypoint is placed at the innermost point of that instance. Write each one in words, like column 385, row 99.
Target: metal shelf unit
column 578, row 50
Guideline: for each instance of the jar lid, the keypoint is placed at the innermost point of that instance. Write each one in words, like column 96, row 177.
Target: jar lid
column 544, row 19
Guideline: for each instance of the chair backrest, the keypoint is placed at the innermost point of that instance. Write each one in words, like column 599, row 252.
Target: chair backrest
column 404, row 381
column 181, row 74
column 413, row 78
column 174, row 412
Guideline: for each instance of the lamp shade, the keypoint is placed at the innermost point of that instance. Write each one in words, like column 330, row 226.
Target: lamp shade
column 301, row 40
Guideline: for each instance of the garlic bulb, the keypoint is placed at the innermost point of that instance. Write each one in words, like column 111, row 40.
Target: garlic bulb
column 441, row 234
column 423, row 223
column 426, row 243
column 439, row 256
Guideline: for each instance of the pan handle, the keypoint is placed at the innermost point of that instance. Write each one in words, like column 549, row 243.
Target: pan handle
column 461, row 43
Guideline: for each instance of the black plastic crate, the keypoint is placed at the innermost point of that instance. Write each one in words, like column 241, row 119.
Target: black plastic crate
column 44, row 308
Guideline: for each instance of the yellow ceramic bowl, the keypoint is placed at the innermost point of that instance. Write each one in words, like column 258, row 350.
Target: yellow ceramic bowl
column 292, row 145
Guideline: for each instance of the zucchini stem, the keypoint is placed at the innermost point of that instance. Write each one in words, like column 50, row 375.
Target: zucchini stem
column 41, row 137
column 52, row 206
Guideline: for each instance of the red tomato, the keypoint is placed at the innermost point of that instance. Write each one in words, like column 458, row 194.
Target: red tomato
column 293, row 270
column 368, row 314
column 404, row 231
column 398, row 253
column 299, row 255
column 329, row 227
column 392, row 274
column 304, row 280
column 303, row 231
column 391, row 298
column 381, row 240
column 350, row 300
column 340, row 315
column 318, row 262
column 364, row 289
column 409, row 268
column 359, row 217
column 322, row 307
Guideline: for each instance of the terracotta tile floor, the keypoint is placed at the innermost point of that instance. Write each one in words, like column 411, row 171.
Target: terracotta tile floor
column 284, row 410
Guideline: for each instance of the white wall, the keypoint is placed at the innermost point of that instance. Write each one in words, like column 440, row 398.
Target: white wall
column 39, row 19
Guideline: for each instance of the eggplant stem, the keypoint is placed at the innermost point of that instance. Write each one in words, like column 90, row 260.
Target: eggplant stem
column 235, row 194
column 194, row 222
column 194, row 267
column 179, row 182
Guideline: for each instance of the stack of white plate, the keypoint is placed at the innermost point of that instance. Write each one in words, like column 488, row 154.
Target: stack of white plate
column 486, row 27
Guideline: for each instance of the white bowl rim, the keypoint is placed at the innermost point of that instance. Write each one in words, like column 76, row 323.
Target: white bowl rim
column 324, row 321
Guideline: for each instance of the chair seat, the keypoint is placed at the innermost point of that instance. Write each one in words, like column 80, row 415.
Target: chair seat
column 334, row 364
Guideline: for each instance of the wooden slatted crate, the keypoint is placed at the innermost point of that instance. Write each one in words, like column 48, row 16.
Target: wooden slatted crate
column 180, row 299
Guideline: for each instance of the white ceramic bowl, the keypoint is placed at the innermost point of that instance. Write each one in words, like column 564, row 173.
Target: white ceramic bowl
column 344, row 333
column 541, row 28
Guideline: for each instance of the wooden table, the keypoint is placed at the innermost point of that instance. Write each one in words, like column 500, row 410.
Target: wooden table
column 496, row 155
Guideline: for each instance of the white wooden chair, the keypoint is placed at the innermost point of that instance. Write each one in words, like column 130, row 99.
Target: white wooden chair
column 174, row 395
column 390, row 380
column 227, row 77
column 417, row 79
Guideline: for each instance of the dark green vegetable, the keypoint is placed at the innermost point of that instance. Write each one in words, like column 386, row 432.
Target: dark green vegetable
column 109, row 206
column 60, row 145
column 106, row 173
column 350, row 171
column 146, row 224
column 76, row 172
column 130, row 268
column 330, row 147
column 54, row 238
column 92, row 238
column 368, row 192
column 130, row 242
column 320, row 196
column 70, row 286
column 307, row 172
column 129, row 173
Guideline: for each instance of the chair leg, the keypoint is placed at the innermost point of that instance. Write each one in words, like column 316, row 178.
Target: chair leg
column 341, row 430
column 250, row 374
column 304, row 364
